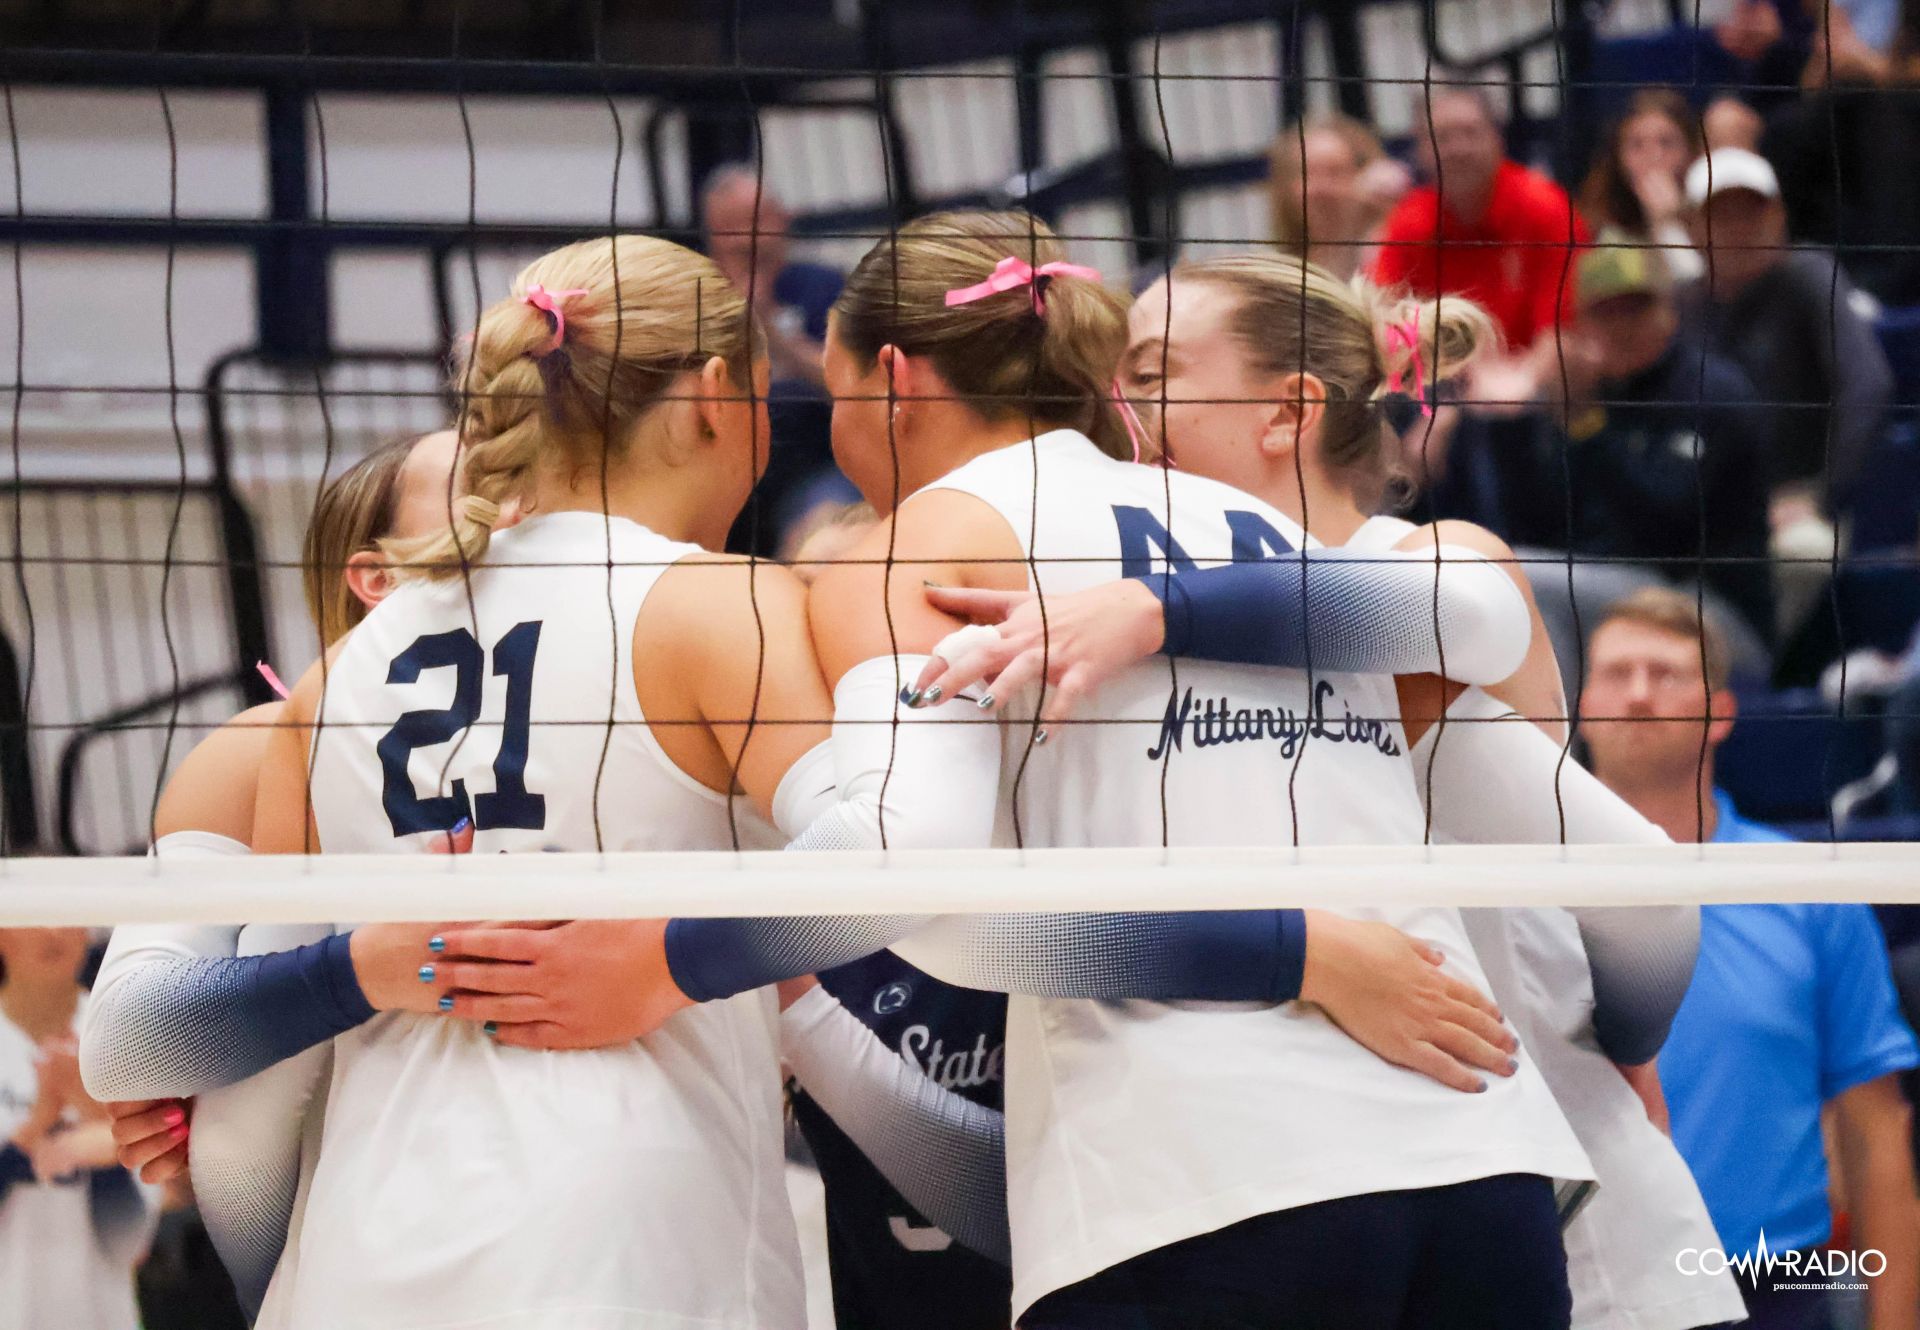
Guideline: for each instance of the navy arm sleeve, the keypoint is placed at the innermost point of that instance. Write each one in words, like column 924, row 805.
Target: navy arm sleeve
column 173, row 1028
column 1218, row 955
column 1443, row 611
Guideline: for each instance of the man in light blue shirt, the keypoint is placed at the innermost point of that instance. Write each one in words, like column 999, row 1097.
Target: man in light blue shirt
column 1792, row 1010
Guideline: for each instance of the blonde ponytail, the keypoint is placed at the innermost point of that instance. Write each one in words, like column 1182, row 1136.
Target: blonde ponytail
column 558, row 374
column 1295, row 317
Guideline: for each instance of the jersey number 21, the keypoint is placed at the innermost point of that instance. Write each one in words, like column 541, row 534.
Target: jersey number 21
column 510, row 804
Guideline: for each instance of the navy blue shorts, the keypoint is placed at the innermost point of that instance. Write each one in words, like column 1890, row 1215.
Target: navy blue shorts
column 1482, row 1255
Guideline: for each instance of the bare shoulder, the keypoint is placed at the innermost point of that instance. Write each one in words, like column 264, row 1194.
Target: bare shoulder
column 213, row 787
column 1464, row 535
column 716, row 592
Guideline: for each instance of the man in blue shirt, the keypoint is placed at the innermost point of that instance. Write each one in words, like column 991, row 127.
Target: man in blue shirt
column 1792, row 1010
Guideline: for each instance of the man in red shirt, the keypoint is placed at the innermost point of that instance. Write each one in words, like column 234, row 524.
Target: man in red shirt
column 1489, row 228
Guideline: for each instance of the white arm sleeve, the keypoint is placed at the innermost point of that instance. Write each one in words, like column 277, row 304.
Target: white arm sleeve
column 1492, row 777
column 943, row 1152
column 908, row 778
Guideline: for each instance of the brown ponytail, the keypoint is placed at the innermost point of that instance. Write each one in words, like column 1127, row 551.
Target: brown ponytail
column 1001, row 356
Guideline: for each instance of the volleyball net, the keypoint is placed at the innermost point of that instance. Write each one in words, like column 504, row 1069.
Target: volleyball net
column 239, row 258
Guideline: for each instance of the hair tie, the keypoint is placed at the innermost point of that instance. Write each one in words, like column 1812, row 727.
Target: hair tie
column 481, row 512
column 1011, row 273
column 1407, row 334
column 1131, row 419
column 549, row 303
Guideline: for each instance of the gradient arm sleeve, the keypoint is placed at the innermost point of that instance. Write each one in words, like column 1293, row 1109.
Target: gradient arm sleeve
column 1199, row 955
column 1490, row 777
column 932, row 776
column 902, row 778
column 931, row 781
column 943, row 1152
column 1449, row 611
column 246, row 1144
column 124, row 1212
column 175, row 1012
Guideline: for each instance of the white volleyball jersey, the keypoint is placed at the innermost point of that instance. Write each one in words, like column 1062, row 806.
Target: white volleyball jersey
column 1621, row 1247
column 1132, row 1125
column 463, row 1183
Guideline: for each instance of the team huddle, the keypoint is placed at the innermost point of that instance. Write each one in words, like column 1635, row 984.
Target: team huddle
column 1126, row 584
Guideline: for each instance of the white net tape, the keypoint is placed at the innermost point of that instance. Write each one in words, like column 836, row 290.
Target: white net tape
column 394, row 888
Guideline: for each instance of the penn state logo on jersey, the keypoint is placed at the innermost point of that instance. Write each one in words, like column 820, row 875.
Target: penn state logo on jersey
column 891, row 998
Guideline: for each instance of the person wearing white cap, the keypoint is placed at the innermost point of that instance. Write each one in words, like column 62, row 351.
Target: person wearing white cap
column 1800, row 328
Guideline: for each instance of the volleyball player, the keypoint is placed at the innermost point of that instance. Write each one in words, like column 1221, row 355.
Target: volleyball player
column 246, row 1137
column 1210, row 1185
column 1220, row 332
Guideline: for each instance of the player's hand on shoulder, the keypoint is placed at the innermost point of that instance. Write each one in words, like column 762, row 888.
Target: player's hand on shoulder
column 590, row 983
column 1076, row 641
column 151, row 1136
column 1389, row 993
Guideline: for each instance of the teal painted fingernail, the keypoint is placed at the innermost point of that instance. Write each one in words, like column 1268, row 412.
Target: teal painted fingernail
column 492, row 1029
column 436, row 944
column 461, row 825
column 1513, row 1065
column 426, row 974
column 446, row 1003
column 985, row 701
column 910, row 696
column 931, row 696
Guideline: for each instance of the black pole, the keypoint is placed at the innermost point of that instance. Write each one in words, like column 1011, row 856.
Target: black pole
column 1143, row 171
column 290, row 266
column 19, row 816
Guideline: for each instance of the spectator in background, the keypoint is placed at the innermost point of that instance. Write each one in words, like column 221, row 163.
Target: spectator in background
column 1636, row 183
column 1791, row 1011
column 1331, row 184
column 72, row 1221
column 1844, row 157
column 1805, row 337
column 746, row 236
column 1485, row 225
column 1653, row 469
column 1490, row 229
column 1729, row 122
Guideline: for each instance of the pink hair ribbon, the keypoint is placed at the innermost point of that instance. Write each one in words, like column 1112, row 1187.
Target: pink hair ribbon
column 273, row 680
column 549, row 303
column 1408, row 335
column 1011, row 273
